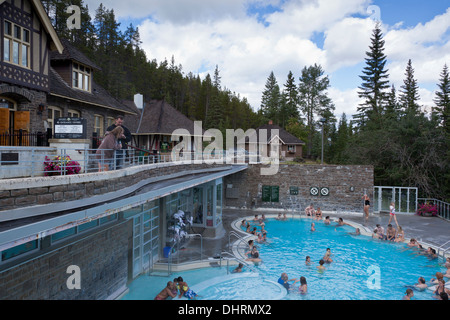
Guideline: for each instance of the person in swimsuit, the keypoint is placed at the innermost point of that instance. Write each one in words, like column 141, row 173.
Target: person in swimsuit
column 169, row 291
column 284, row 281
column 238, row 268
column 327, row 256
column 366, row 206
column 254, row 255
column 309, row 211
column 392, row 214
column 318, row 214
column 390, row 233
column 185, row 290
column 320, row 267
column 447, row 265
column 409, row 294
column 308, row 260
column 400, row 235
column 313, row 227
column 421, row 284
column 303, row 285
column 327, row 220
column 440, row 288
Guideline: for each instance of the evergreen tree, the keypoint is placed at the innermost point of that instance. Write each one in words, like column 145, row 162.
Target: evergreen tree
column 289, row 107
column 270, row 101
column 409, row 95
column 375, row 82
column 442, row 99
column 340, row 141
column 442, row 110
column 313, row 99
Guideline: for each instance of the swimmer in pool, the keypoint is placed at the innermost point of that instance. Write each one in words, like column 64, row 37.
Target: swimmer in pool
column 313, row 227
column 409, row 294
column 327, row 220
column 169, row 291
column 185, row 290
column 327, row 256
column 421, row 285
column 254, row 255
column 238, row 268
column 303, row 285
column 320, row 267
column 284, row 281
column 308, row 261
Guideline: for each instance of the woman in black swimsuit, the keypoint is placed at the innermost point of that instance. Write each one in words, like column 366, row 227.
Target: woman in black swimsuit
column 366, row 205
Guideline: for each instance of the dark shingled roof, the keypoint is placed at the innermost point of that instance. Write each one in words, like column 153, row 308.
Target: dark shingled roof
column 73, row 54
column 286, row 137
column 99, row 96
column 159, row 118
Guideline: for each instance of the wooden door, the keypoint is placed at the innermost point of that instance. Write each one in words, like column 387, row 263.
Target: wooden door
column 22, row 121
column 4, row 127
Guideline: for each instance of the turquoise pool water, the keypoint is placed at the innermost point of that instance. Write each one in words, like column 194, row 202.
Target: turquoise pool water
column 362, row 268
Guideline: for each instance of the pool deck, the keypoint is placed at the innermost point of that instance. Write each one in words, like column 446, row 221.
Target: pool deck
column 429, row 231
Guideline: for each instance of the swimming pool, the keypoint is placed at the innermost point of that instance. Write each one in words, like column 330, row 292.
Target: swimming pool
column 362, row 268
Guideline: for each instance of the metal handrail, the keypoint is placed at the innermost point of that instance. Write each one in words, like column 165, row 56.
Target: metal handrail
column 234, row 258
column 240, row 238
column 442, row 247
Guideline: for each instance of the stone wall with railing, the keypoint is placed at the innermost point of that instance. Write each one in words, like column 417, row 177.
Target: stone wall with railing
column 26, row 192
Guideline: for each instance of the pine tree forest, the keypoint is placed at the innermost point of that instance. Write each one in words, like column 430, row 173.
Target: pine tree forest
column 406, row 146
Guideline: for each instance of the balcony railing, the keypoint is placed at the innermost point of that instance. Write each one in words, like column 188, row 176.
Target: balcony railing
column 19, row 162
column 21, row 138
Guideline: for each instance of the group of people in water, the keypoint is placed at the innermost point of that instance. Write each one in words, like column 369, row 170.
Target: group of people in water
column 390, row 234
column 437, row 285
column 177, row 287
column 252, row 255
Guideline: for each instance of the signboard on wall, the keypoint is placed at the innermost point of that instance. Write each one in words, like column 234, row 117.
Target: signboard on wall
column 270, row 193
column 70, row 128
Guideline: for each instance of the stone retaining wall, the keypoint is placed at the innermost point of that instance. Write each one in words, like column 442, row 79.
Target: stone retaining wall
column 346, row 185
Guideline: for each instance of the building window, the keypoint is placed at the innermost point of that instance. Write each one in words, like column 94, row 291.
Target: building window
column 73, row 113
column 291, row 149
column 16, row 44
column 110, row 121
column 98, row 125
column 81, row 77
column 19, row 250
column 53, row 113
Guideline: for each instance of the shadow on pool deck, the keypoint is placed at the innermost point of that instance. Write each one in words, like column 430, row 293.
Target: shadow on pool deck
column 431, row 230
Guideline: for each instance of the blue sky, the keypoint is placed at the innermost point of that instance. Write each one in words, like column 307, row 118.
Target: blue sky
column 248, row 39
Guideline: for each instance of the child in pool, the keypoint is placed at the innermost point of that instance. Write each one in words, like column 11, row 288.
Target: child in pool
column 185, row 290
column 327, row 256
column 320, row 267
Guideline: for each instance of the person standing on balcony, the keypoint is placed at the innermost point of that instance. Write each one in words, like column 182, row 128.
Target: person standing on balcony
column 105, row 152
column 120, row 154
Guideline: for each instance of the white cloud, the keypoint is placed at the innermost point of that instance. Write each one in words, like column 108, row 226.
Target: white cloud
column 202, row 34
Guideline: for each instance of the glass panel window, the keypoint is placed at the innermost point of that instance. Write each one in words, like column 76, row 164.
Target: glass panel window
column 81, row 77
column 8, row 28
column 7, row 49
column 24, row 55
column 63, row 234
column 20, row 249
column 16, row 52
column 98, row 125
column 16, row 44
